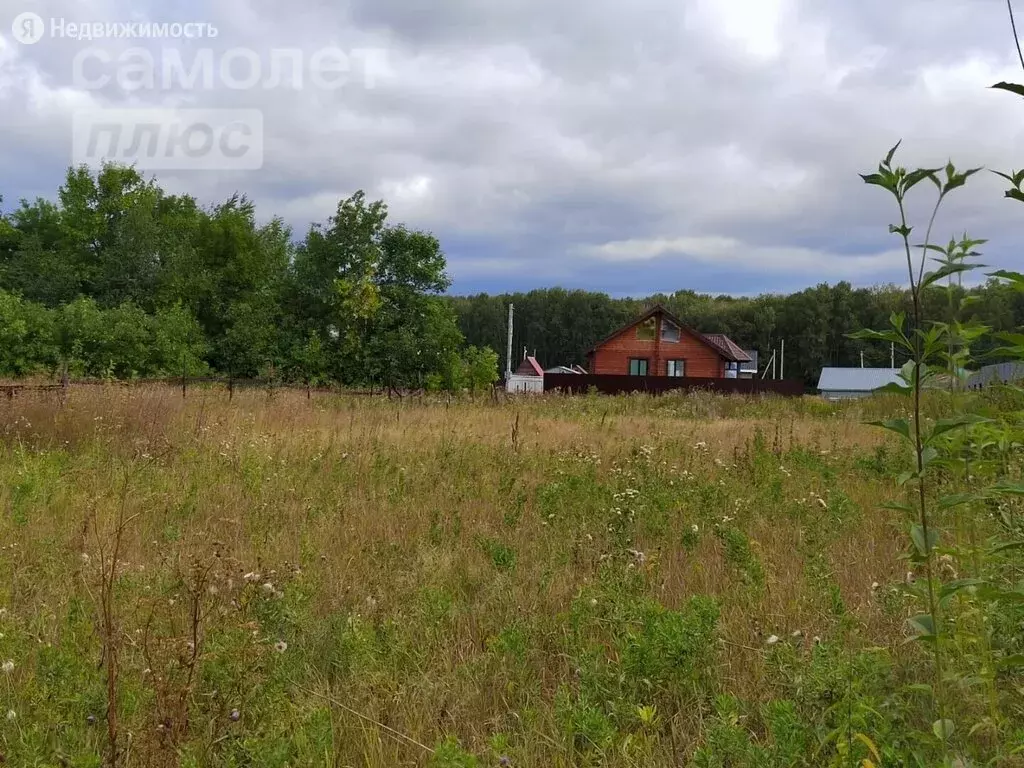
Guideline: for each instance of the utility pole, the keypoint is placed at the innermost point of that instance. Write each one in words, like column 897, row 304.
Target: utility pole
column 862, row 358
column 508, row 359
column 782, row 361
column 892, row 355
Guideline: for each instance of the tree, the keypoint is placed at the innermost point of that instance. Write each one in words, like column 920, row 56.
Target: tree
column 481, row 368
column 332, row 291
column 28, row 342
column 374, row 291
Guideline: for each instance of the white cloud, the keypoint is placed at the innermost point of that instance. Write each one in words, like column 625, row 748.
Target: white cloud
column 755, row 28
column 731, row 253
column 572, row 141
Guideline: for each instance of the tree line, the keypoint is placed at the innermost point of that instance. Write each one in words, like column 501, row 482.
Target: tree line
column 815, row 324
column 117, row 278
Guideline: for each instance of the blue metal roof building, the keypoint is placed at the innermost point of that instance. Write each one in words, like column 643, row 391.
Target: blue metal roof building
column 846, row 383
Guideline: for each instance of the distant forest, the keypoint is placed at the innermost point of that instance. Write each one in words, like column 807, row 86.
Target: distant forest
column 117, row 278
column 562, row 325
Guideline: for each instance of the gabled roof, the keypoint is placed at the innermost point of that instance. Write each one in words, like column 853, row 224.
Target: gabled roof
column 737, row 356
column 530, row 367
column 856, row 379
column 729, row 347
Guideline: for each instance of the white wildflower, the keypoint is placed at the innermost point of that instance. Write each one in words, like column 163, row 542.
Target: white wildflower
column 695, row 528
column 772, row 640
column 269, row 588
column 875, row 586
column 251, row 577
column 798, row 634
column 8, row 667
column 280, row 646
column 12, row 715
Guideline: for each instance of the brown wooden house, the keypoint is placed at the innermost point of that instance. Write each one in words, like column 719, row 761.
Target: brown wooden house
column 659, row 344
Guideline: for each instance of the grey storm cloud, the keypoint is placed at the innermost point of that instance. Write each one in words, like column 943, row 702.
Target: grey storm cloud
column 634, row 147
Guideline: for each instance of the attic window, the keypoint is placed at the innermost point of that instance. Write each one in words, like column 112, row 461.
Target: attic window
column 645, row 331
column 669, row 331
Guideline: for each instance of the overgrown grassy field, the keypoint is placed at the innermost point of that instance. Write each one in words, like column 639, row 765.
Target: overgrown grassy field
column 279, row 581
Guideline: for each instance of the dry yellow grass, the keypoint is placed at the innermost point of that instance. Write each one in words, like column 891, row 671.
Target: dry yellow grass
column 430, row 565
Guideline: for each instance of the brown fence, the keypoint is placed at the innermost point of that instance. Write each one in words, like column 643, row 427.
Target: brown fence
column 187, row 383
column 184, row 383
column 614, row 385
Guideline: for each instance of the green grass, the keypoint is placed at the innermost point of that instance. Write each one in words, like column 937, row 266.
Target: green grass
column 341, row 582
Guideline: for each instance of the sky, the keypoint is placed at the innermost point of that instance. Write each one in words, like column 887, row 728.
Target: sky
column 629, row 148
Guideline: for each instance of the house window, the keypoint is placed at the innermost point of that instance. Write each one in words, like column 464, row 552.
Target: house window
column 669, row 332
column 676, row 368
column 645, row 331
column 638, row 366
